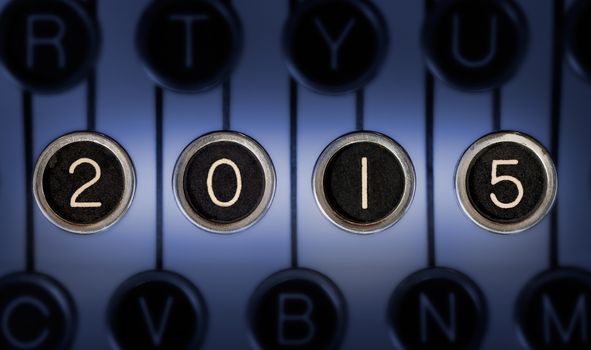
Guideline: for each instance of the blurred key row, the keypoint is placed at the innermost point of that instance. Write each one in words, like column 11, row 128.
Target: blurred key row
column 298, row 308
column 330, row 46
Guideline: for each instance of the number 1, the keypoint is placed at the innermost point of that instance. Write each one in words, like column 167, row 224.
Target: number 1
column 364, row 183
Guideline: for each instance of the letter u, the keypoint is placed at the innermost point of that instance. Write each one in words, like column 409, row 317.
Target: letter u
column 474, row 63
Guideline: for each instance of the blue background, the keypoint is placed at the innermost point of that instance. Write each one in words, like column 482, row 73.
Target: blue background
column 367, row 269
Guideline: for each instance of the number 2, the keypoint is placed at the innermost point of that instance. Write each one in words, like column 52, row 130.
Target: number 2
column 496, row 179
column 97, row 169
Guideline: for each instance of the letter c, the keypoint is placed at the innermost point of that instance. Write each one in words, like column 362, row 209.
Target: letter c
column 7, row 315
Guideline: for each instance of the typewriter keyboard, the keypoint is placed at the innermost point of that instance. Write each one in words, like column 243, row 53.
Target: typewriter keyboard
column 295, row 174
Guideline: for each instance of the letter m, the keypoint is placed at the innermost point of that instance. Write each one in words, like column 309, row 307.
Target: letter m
column 565, row 330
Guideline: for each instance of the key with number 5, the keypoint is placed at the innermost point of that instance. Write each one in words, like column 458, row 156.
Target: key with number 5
column 506, row 182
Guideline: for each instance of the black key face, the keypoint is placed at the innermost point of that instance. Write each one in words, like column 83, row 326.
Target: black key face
column 438, row 309
column 523, row 165
column 189, row 45
column 84, row 182
column 48, row 46
column 297, row 309
column 60, row 184
column 224, row 182
column 157, row 310
column 335, row 46
column 578, row 32
column 364, row 182
column 506, row 182
column 204, row 175
column 554, row 311
column 475, row 45
column 35, row 313
column 343, row 179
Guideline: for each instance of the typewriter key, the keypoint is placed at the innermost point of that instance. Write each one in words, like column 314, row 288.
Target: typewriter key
column 84, row 182
column 157, row 310
column 438, row 308
column 506, row 182
column 189, row 46
column 48, row 46
column 364, row 182
column 554, row 311
column 35, row 313
column 224, row 182
column 335, row 46
column 475, row 45
column 578, row 28
column 297, row 309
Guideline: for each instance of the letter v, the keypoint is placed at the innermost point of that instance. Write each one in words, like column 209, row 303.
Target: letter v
column 156, row 332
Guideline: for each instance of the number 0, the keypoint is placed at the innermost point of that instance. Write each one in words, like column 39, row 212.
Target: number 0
column 210, row 189
column 496, row 179
column 74, row 200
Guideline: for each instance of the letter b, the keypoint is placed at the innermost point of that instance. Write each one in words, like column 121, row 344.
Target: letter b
column 285, row 317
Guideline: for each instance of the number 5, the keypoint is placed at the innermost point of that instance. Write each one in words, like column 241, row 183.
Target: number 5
column 496, row 179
